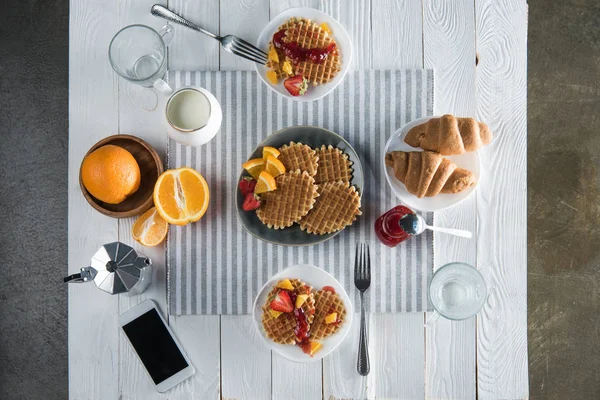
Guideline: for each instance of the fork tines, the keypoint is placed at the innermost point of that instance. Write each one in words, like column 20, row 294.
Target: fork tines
column 362, row 266
column 244, row 49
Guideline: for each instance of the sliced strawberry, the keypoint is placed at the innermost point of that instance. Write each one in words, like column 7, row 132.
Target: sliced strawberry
column 282, row 302
column 251, row 202
column 329, row 289
column 247, row 185
column 296, row 85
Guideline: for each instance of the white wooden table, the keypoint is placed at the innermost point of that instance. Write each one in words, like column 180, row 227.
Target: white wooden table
column 484, row 357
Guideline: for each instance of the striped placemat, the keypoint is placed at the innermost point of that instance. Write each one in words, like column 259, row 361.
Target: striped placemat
column 215, row 267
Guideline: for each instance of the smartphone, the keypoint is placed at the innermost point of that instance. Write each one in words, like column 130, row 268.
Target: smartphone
column 162, row 356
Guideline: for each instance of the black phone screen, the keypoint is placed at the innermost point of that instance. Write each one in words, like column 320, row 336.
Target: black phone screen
column 155, row 346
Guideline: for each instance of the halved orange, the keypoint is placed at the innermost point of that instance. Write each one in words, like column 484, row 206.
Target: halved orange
column 270, row 151
column 274, row 167
column 181, row 196
column 254, row 167
column 265, row 183
column 150, row 229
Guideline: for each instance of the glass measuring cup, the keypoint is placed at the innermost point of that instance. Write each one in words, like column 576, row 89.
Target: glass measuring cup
column 138, row 54
column 457, row 291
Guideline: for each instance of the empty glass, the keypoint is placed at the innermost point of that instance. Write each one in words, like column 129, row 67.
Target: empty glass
column 138, row 54
column 457, row 291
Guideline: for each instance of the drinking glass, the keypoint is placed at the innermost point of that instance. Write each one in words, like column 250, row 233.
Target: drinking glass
column 138, row 54
column 457, row 291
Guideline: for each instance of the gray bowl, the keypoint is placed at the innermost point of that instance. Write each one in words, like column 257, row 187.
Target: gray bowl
column 314, row 137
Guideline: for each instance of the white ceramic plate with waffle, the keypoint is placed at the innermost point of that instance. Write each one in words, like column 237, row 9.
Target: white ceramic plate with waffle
column 341, row 37
column 317, row 278
column 469, row 161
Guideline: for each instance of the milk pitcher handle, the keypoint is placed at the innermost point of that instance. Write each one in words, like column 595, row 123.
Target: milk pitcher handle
column 85, row 274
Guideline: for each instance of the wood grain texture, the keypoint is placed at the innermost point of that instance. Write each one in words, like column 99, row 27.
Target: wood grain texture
column 295, row 381
column 191, row 50
column 93, row 331
column 277, row 6
column 397, row 31
column 246, row 361
column 246, row 19
column 355, row 16
column 502, row 366
column 449, row 48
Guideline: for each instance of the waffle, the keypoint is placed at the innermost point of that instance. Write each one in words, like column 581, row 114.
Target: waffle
column 308, row 35
column 333, row 166
column 299, row 156
column 281, row 329
column 338, row 206
column 326, row 303
column 293, row 199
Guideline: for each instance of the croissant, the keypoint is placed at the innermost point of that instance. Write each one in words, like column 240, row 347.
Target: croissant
column 427, row 173
column 449, row 135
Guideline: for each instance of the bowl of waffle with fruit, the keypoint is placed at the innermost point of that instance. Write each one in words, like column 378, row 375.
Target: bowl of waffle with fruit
column 309, row 54
column 301, row 186
column 303, row 313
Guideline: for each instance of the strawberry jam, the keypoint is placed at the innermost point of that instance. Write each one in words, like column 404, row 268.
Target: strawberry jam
column 302, row 327
column 388, row 229
column 297, row 53
column 329, row 289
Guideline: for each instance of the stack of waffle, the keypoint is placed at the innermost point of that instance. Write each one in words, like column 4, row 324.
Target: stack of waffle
column 324, row 310
column 315, row 192
column 308, row 35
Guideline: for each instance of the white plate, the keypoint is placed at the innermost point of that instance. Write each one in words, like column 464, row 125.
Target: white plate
column 339, row 34
column 469, row 161
column 317, row 278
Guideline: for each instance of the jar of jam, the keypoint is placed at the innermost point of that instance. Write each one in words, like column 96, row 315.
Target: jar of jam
column 388, row 229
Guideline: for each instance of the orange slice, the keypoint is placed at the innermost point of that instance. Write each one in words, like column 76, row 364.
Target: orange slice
column 273, row 56
column 287, row 68
column 326, row 27
column 266, row 183
column 254, row 167
column 274, row 167
column 270, row 151
column 150, row 229
column 272, row 77
column 181, row 196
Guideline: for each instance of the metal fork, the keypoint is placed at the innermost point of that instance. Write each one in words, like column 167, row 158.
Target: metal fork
column 230, row 43
column 362, row 281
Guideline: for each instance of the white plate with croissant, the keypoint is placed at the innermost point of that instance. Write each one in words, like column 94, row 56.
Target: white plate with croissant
column 432, row 163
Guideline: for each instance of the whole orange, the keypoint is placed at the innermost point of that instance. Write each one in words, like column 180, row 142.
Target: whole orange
column 111, row 174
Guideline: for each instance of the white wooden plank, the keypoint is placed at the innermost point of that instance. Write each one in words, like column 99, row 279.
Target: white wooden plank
column 245, row 19
column 277, row 6
column 340, row 377
column 397, row 31
column 502, row 367
column 245, row 360
column 93, row 114
column 295, row 381
column 449, row 48
column 190, row 50
column 355, row 16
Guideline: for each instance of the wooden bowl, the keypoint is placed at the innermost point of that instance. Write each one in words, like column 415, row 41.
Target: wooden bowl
column 151, row 167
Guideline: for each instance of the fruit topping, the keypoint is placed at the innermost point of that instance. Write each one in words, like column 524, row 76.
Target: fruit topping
column 297, row 53
column 282, row 302
column 331, row 318
column 272, row 77
column 251, row 202
column 270, row 151
column 285, row 284
column 273, row 56
column 326, row 27
column 274, row 167
column 296, row 85
column 254, row 167
column 266, row 183
column 247, row 186
column 287, row 68
column 329, row 289
column 274, row 313
column 300, row 299
column 310, row 347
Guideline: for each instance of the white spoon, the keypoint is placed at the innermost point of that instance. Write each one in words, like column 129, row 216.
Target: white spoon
column 414, row 224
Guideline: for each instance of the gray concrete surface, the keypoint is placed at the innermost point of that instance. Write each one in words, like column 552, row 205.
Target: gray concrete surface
column 33, row 199
column 563, row 199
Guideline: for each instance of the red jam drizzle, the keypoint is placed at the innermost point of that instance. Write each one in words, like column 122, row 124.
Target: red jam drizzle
column 298, row 54
column 302, row 328
column 388, row 229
